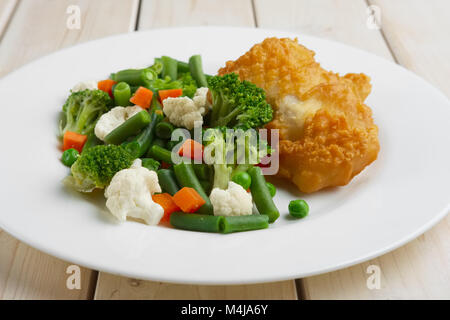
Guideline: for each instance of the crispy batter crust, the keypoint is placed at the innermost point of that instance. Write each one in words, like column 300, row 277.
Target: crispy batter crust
column 327, row 134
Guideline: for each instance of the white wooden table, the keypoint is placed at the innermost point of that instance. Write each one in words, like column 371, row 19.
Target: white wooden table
column 414, row 33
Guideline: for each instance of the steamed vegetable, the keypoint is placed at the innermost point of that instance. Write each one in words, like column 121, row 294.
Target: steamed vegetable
column 168, row 181
column 188, row 200
column 298, row 208
column 129, row 128
column 196, row 68
column 73, row 140
column 96, row 167
column 142, row 97
column 165, row 200
column 261, row 195
column 238, row 104
column 106, row 86
column 122, row 94
column 196, row 222
column 69, row 157
column 186, row 178
column 82, row 110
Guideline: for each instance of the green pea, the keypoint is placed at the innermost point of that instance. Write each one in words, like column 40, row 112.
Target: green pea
column 69, row 157
column 298, row 208
column 272, row 189
column 243, row 179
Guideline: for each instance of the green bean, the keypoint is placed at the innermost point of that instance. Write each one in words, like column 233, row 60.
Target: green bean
column 186, row 177
column 69, row 157
column 157, row 66
column 155, row 103
column 129, row 128
column 244, row 223
column 159, row 153
column 164, row 130
column 182, row 67
column 150, row 164
column 196, row 68
column 159, row 142
column 141, row 143
column 196, row 222
column 122, row 94
column 206, row 185
column 169, row 68
column 171, row 144
column 91, row 141
column 135, row 77
column 167, row 181
column 203, row 171
column 261, row 195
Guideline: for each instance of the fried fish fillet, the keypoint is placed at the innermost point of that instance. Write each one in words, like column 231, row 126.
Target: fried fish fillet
column 327, row 134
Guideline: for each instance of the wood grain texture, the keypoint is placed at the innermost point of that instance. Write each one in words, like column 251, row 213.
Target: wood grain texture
column 6, row 10
column 163, row 14
column 418, row 33
column 26, row 273
column 421, row 269
column 112, row 287
column 343, row 21
column 171, row 13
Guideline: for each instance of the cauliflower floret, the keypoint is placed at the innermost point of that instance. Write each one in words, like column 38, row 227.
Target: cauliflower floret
column 234, row 201
column 85, row 85
column 130, row 195
column 114, row 118
column 186, row 112
column 200, row 99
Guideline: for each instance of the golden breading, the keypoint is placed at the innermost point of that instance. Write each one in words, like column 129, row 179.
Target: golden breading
column 327, row 134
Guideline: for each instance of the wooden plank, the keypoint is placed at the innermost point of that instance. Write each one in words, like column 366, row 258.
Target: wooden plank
column 418, row 34
column 203, row 12
column 344, row 21
column 37, row 28
column 6, row 11
column 170, row 13
column 112, row 287
column 421, row 268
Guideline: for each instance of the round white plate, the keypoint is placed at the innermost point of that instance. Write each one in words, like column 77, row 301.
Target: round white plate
column 401, row 195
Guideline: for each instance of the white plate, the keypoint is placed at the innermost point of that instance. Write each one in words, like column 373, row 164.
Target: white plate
column 401, row 195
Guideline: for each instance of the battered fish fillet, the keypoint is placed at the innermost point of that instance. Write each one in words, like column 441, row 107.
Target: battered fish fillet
column 327, row 134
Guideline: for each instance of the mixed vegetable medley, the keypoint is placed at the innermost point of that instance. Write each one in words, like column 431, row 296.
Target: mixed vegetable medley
column 162, row 143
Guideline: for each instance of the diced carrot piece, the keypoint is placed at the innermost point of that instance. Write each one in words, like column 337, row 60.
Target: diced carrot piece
column 188, row 200
column 171, row 93
column 191, row 149
column 74, row 140
column 106, row 85
column 166, row 202
column 142, row 97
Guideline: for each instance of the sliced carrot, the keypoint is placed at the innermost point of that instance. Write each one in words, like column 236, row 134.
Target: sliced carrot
column 166, row 202
column 74, row 140
column 191, row 149
column 188, row 200
column 106, row 85
column 171, row 93
column 142, row 97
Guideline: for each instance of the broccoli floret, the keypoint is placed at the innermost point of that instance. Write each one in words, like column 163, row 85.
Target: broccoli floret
column 188, row 84
column 230, row 154
column 82, row 110
column 96, row 167
column 238, row 104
